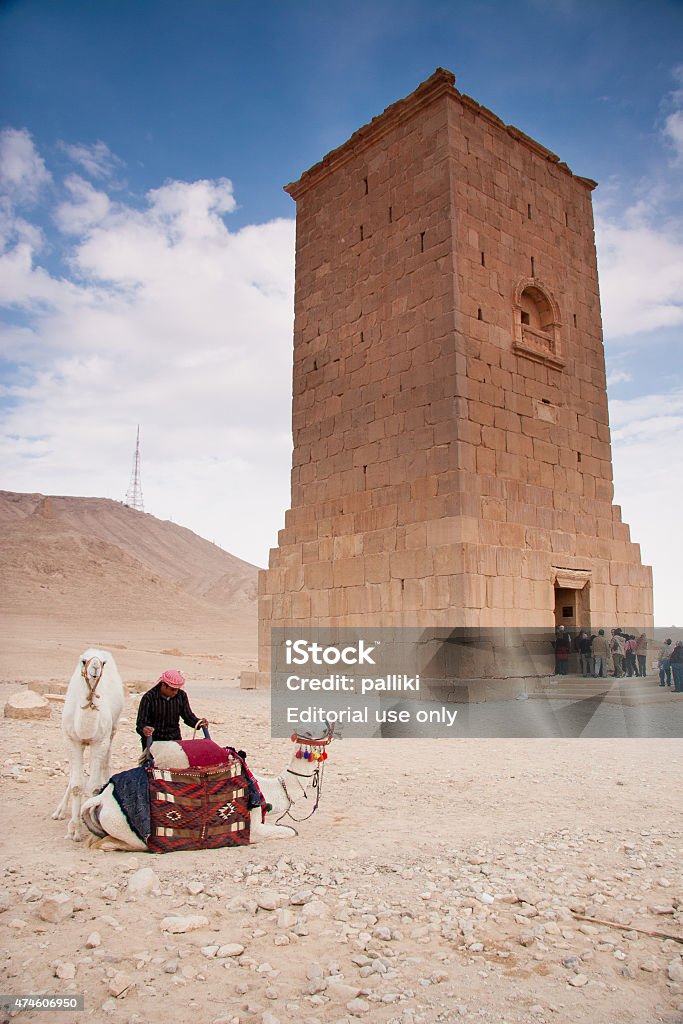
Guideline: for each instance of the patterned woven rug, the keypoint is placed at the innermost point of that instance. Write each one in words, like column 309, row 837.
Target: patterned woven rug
column 198, row 808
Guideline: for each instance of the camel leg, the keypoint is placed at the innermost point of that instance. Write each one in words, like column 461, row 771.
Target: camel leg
column 99, row 765
column 114, row 824
column 75, row 752
column 258, row 831
column 60, row 811
column 74, row 830
column 106, row 762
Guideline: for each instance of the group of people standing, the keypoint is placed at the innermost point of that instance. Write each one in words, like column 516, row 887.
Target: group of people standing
column 620, row 654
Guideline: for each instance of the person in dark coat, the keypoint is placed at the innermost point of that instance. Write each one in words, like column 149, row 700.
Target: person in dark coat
column 630, row 664
column 664, row 664
column 676, row 661
column 584, row 646
column 563, row 645
column 162, row 707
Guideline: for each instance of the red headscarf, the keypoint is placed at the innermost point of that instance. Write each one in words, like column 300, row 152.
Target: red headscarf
column 172, row 677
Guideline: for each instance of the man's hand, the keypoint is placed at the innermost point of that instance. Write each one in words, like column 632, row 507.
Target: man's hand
column 147, row 730
column 203, row 723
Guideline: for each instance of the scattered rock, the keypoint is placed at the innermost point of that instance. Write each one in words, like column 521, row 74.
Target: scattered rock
column 65, row 971
column 285, row 918
column 300, row 897
column 121, row 985
column 268, row 900
column 27, row 704
column 315, row 909
column 229, row 949
column 315, row 986
column 56, row 908
column 675, row 970
column 341, row 991
column 143, row 882
column 180, row 925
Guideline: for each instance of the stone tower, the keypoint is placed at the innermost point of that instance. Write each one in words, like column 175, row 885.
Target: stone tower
column 452, row 463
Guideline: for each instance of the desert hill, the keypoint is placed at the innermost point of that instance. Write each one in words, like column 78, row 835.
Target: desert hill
column 94, row 568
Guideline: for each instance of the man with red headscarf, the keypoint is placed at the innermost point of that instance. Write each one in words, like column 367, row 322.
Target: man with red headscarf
column 162, row 707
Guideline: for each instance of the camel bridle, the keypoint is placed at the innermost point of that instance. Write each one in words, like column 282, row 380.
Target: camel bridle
column 92, row 688
column 316, row 776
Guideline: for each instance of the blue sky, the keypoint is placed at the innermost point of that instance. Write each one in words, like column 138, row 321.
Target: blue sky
column 146, row 260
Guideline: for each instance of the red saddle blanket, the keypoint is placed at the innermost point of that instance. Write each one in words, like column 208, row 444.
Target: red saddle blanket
column 198, row 808
column 203, row 753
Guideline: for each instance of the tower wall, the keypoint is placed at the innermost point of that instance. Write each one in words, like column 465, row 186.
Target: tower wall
column 452, row 462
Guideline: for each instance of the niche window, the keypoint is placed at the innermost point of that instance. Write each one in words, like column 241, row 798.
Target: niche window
column 536, row 324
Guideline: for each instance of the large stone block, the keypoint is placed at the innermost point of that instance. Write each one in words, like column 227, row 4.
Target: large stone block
column 27, row 704
column 349, row 572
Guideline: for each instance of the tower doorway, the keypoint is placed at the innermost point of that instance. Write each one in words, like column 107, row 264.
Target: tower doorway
column 572, row 601
column 565, row 607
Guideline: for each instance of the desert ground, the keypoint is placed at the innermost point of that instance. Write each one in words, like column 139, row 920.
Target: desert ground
column 438, row 881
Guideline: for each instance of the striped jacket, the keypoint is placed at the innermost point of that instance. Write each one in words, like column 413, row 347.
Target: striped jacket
column 164, row 713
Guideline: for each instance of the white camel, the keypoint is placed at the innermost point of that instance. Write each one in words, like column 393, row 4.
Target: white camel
column 93, row 704
column 288, row 794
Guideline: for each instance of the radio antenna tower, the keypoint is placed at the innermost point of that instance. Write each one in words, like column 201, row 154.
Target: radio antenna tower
column 133, row 497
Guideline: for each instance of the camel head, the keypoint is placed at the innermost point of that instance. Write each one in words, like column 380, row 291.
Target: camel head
column 92, row 668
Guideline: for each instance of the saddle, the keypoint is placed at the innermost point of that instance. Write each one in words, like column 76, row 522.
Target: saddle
column 197, row 796
column 203, row 806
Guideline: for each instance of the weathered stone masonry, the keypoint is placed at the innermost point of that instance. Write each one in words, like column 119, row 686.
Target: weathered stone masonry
column 452, row 462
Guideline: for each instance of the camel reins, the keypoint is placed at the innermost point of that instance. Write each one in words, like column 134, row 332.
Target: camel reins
column 316, row 776
column 90, row 700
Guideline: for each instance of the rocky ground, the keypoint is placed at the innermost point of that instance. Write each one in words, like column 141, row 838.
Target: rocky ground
column 440, row 880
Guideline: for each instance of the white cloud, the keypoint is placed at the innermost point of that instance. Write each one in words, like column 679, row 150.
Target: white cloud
column 97, row 160
column 23, row 173
column 640, row 251
column 168, row 319
column 618, row 377
column 673, row 130
column 641, row 275
column 87, row 207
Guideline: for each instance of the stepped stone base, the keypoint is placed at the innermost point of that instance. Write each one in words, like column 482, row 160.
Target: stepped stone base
column 632, row 692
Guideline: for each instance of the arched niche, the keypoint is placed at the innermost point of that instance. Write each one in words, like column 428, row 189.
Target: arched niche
column 536, row 324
